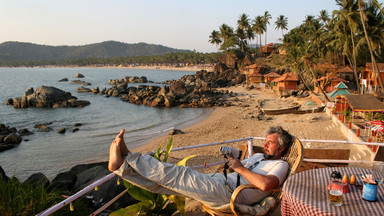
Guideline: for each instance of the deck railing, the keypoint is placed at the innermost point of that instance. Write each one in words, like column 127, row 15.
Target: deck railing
column 250, row 147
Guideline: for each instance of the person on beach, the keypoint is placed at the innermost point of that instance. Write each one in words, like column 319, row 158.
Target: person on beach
column 265, row 171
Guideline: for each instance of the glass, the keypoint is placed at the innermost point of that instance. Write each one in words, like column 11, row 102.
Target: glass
column 336, row 193
column 378, row 172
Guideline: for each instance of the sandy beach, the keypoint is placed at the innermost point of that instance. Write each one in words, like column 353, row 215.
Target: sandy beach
column 239, row 121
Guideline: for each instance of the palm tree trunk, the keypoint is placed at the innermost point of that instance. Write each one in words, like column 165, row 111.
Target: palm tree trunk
column 354, row 63
column 374, row 64
column 321, row 89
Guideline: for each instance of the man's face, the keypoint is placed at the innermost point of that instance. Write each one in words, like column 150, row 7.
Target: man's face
column 271, row 146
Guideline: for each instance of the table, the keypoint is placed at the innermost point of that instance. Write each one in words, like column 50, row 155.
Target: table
column 306, row 193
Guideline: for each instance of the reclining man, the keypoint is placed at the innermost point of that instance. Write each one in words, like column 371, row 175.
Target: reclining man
column 265, row 171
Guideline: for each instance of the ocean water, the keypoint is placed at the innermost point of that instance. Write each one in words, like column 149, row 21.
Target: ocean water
column 51, row 153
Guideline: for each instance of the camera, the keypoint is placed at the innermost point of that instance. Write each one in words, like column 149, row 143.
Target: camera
column 227, row 151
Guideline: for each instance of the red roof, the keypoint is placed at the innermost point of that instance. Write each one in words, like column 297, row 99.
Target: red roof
column 256, row 74
column 368, row 66
column 272, row 75
column 286, row 77
column 345, row 70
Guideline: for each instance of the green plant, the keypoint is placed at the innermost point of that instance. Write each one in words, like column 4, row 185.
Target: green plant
column 31, row 199
column 151, row 203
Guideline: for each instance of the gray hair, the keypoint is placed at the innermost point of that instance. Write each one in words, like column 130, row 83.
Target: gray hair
column 285, row 139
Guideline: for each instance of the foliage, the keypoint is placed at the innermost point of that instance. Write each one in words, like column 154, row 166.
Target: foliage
column 18, row 51
column 176, row 59
column 379, row 116
column 28, row 199
column 151, row 203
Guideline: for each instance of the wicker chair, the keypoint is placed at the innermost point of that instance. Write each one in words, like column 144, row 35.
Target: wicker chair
column 293, row 157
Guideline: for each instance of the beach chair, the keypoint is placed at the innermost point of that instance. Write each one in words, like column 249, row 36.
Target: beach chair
column 293, row 157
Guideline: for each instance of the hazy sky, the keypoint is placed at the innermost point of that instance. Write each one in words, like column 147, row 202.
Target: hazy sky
column 182, row 24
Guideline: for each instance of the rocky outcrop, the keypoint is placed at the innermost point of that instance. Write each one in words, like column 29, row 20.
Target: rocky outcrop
column 79, row 75
column 198, row 90
column 47, row 96
column 8, row 137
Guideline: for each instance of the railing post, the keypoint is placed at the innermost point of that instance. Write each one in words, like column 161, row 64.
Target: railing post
column 250, row 147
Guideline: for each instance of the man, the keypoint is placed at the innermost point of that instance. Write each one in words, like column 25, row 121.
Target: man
column 265, row 171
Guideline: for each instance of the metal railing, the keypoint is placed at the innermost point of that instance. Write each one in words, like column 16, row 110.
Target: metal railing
column 250, row 147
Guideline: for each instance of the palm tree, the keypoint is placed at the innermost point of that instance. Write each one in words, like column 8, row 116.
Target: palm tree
column 259, row 27
column 374, row 64
column 347, row 21
column 266, row 19
column 282, row 23
column 225, row 32
column 243, row 26
column 215, row 39
column 323, row 17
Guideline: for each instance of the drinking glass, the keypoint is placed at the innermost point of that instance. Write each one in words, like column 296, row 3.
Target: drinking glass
column 336, row 193
column 378, row 172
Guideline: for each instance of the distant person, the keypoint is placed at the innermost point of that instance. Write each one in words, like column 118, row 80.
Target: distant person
column 265, row 171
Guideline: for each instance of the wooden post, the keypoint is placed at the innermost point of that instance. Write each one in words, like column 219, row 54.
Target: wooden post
column 358, row 132
column 369, row 140
column 342, row 118
column 349, row 125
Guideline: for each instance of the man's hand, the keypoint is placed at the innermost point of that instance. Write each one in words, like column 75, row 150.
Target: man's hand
column 234, row 164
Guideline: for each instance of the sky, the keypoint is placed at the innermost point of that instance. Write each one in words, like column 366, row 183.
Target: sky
column 180, row 24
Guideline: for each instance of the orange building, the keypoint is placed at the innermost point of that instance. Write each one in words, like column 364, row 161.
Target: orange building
column 256, row 77
column 271, row 76
column 287, row 81
column 369, row 77
column 328, row 83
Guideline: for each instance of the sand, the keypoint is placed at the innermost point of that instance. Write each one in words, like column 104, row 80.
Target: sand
column 239, row 121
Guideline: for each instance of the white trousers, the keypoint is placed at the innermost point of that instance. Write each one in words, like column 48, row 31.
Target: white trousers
column 164, row 178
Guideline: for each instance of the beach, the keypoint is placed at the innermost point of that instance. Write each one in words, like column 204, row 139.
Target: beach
column 239, row 121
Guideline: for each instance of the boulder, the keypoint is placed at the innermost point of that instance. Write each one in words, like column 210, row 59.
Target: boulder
column 64, row 181
column 82, row 89
column 79, row 75
column 42, row 127
column 176, row 131
column 48, row 96
column 77, row 82
column 28, row 92
column 24, row 132
column 61, row 130
column 9, row 101
column 2, row 174
column 37, row 179
column 12, row 139
column 64, row 80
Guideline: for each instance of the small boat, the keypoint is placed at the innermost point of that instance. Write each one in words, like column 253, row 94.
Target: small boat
column 281, row 111
column 309, row 110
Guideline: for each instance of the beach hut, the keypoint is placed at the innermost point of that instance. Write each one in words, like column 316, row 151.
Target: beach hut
column 345, row 73
column 328, row 83
column 267, row 49
column 287, row 81
column 364, row 105
column 271, row 76
column 340, row 89
column 369, row 78
column 256, row 77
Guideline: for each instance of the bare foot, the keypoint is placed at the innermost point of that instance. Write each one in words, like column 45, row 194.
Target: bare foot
column 121, row 142
column 117, row 151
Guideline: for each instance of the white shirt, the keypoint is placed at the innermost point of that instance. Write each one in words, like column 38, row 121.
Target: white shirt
column 278, row 168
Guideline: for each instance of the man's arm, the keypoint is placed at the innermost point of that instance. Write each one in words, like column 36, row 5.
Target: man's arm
column 264, row 183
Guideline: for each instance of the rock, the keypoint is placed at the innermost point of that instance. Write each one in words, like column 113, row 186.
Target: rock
column 28, row 92
column 86, row 83
column 64, row 181
column 48, row 96
column 3, row 175
column 61, row 130
column 64, row 80
column 75, row 130
column 79, row 75
column 82, row 89
column 37, row 179
column 95, row 90
column 77, row 82
column 24, row 132
column 9, row 101
column 13, row 139
column 78, row 124
column 42, row 127
column 176, row 131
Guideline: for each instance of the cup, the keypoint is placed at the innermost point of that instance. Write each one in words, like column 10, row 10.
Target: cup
column 370, row 191
column 335, row 193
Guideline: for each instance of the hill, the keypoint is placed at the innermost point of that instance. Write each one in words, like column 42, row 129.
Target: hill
column 20, row 51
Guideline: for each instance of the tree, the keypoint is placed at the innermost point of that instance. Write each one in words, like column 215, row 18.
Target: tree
column 347, row 21
column 214, row 38
column 259, row 27
column 266, row 19
column 323, row 17
column 281, row 23
column 374, row 64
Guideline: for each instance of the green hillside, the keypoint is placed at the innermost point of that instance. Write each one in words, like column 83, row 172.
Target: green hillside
column 20, row 51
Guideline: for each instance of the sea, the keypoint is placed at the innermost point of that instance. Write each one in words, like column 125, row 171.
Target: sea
column 50, row 152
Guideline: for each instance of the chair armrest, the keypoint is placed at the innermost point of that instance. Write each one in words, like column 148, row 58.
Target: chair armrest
column 235, row 193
